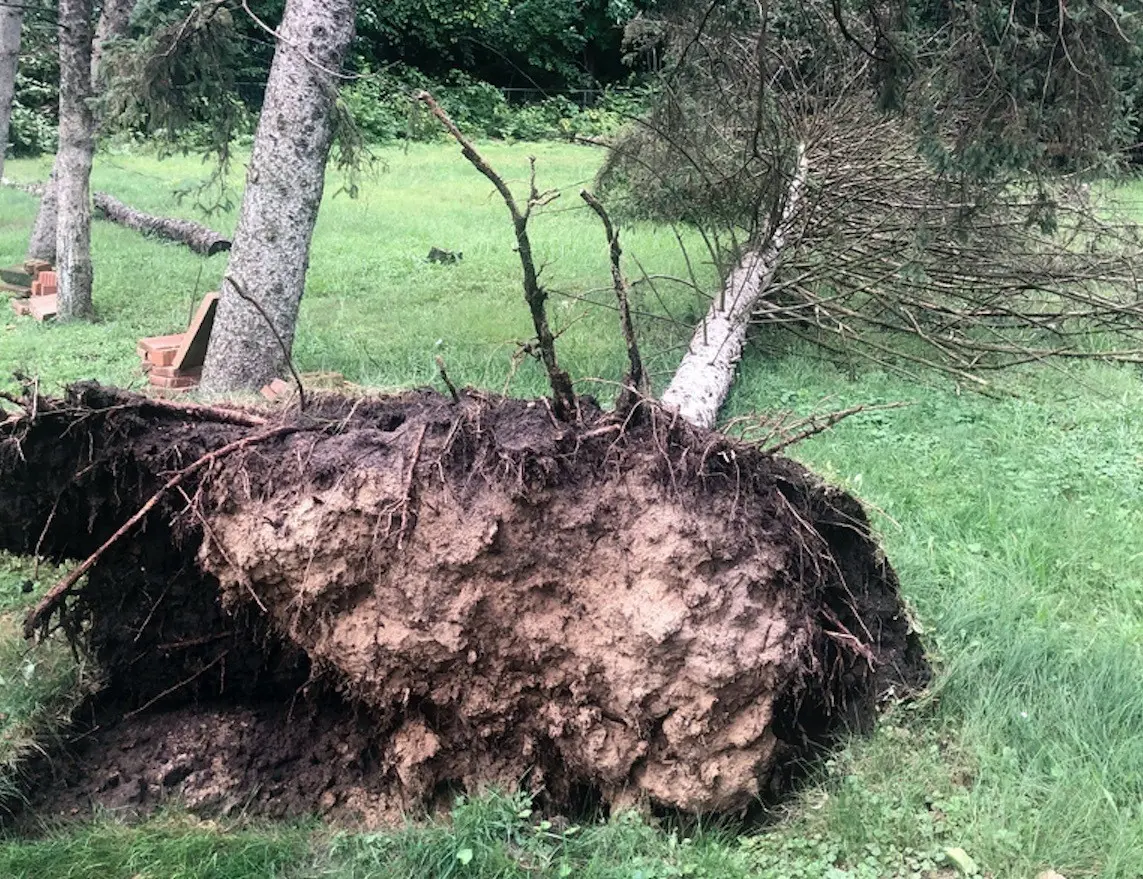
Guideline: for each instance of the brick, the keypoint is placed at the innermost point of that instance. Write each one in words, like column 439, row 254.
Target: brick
column 159, row 357
column 192, row 352
column 22, row 307
column 153, row 343
column 34, row 266
column 37, row 288
column 43, row 307
column 277, row 389
column 49, row 283
column 173, row 382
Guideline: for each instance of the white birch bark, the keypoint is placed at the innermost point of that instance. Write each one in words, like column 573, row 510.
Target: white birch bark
column 284, row 181
column 702, row 382
column 11, row 20
column 73, row 161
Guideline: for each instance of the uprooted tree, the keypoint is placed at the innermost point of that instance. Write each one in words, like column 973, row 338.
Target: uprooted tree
column 911, row 186
column 615, row 609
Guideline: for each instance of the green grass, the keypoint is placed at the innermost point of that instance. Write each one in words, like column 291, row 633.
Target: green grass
column 1016, row 526
column 374, row 309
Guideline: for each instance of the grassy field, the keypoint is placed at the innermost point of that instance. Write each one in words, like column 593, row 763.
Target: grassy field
column 1016, row 526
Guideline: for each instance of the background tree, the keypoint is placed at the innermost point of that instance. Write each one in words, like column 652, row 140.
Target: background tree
column 113, row 24
column 254, row 330
column 73, row 161
column 11, row 22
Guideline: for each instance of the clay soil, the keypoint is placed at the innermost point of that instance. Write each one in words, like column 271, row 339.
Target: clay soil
column 381, row 602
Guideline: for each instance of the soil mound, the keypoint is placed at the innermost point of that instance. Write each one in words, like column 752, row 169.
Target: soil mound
column 625, row 612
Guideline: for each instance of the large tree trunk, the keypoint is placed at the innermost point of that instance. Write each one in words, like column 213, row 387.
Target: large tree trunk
column 113, row 23
column 284, row 185
column 702, row 381
column 11, row 19
column 73, row 161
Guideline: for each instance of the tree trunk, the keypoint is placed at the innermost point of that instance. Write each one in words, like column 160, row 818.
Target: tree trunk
column 73, row 161
column 11, row 18
column 196, row 236
column 42, row 244
column 702, row 381
column 113, row 22
column 251, row 344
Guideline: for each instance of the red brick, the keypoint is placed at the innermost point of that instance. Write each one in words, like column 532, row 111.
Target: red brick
column 43, row 307
column 173, row 382
column 277, row 389
column 21, row 306
column 49, row 283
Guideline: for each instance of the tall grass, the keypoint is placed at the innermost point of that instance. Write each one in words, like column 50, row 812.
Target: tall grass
column 1016, row 526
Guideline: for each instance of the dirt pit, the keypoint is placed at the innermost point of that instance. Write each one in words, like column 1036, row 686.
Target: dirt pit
column 601, row 612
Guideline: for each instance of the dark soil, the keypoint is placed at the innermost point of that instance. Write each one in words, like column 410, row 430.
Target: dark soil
column 405, row 596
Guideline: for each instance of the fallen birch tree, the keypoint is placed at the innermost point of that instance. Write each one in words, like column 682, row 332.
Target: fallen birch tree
column 703, row 379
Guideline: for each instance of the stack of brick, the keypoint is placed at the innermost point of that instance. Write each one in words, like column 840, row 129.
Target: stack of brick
column 174, row 362
column 42, row 300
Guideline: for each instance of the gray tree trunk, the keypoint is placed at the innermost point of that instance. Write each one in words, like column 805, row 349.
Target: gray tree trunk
column 11, row 19
column 73, row 161
column 42, row 244
column 113, row 22
column 701, row 383
column 284, row 183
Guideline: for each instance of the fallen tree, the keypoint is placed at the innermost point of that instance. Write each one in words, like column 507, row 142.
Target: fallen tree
column 611, row 610
column 196, row 236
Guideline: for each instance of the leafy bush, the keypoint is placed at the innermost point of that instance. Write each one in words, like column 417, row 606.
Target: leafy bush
column 32, row 127
column 381, row 105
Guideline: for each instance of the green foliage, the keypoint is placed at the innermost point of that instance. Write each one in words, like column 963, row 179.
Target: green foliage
column 36, row 101
column 381, row 107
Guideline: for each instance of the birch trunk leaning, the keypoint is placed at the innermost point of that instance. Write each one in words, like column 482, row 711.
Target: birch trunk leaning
column 113, row 22
column 73, row 161
column 701, row 383
column 11, row 19
column 251, row 343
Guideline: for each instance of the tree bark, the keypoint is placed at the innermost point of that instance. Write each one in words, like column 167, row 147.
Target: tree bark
column 196, row 236
column 42, row 244
column 701, row 383
column 73, row 161
column 11, row 20
column 251, row 343
column 113, row 22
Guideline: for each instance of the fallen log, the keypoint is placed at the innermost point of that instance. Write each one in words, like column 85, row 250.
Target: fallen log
column 649, row 612
column 702, row 381
column 196, row 236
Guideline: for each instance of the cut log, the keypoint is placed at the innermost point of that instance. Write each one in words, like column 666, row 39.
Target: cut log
column 702, row 381
column 196, row 236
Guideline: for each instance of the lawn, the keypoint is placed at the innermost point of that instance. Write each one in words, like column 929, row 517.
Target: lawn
column 1016, row 525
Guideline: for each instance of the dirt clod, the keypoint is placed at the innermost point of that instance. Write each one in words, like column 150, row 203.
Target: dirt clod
column 647, row 612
